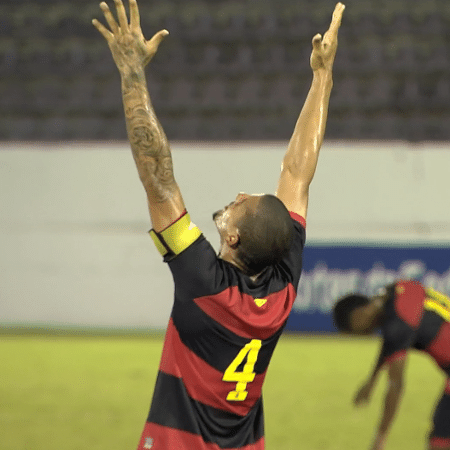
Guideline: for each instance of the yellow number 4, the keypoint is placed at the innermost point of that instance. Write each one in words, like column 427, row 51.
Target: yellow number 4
column 247, row 375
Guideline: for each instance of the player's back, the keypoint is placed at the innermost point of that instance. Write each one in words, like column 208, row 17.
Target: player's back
column 417, row 317
column 433, row 335
column 222, row 332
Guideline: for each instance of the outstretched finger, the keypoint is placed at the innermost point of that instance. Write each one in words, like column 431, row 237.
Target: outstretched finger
column 109, row 17
column 157, row 39
column 121, row 14
column 337, row 18
column 134, row 15
column 332, row 32
column 103, row 30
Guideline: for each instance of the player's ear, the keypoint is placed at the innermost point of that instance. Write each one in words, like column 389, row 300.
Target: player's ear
column 233, row 239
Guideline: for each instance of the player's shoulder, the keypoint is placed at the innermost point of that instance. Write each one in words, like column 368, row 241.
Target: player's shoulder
column 299, row 221
column 407, row 287
column 299, row 226
column 408, row 301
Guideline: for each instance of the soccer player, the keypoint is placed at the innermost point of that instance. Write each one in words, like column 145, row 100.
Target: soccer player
column 410, row 316
column 229, row 309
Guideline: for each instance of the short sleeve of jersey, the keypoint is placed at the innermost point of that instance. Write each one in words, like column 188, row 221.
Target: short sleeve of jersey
column 198, row 267
column 292, row 264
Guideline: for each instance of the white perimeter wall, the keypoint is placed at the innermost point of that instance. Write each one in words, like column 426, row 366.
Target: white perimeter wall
column 73, row 218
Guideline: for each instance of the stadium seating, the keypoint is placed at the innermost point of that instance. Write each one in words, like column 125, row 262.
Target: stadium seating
column 229, row 69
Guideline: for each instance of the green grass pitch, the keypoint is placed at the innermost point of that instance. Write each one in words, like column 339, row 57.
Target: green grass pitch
column 79, row 393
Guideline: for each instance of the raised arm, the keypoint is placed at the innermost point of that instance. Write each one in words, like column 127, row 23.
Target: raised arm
column 149, row 145
column 299, row 163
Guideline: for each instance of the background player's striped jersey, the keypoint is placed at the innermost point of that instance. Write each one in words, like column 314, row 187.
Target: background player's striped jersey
column 416, row 317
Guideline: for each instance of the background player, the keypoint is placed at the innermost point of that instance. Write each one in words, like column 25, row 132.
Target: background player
column 229, row 310
column 410, row 316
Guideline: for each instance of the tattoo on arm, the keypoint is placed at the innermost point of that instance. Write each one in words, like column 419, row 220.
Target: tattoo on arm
column 149, row 145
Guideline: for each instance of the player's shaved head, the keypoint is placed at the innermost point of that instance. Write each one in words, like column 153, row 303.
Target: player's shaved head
column 265, row 234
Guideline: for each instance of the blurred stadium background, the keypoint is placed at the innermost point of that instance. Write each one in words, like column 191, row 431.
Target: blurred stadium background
column 229, row 70
column 227, row 85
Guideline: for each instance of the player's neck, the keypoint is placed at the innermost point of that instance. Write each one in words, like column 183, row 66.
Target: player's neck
column 229, row 255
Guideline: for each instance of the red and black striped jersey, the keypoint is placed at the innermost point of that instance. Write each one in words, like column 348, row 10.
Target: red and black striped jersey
column 222, row 332
column 416, row 317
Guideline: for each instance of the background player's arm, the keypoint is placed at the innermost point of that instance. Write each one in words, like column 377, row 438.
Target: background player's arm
column 299, row 163
column 364, row 393
column 391, row 401
column 149, row 145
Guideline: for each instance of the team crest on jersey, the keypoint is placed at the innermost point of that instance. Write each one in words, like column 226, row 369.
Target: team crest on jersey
column 260, row 302
column 148, row 443
column 399, row 290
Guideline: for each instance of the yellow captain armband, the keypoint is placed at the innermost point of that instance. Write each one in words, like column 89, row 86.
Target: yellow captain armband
column 177, row 237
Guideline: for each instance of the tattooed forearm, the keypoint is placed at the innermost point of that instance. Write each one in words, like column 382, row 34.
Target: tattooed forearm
column 148, row 141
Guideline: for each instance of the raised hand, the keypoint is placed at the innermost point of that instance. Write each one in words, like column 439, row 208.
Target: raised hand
column 324, row 49
column 128, row 46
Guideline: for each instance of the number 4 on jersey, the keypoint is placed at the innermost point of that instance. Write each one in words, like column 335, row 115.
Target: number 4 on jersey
column 247, row 375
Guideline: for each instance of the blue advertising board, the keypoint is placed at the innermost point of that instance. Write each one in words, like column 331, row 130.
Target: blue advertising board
column 331, row 272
